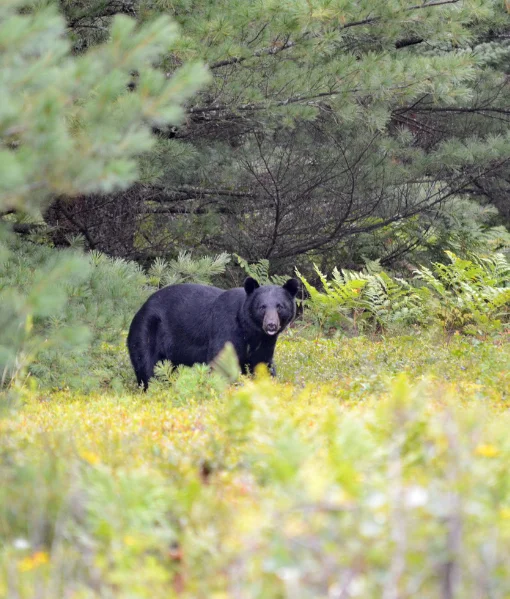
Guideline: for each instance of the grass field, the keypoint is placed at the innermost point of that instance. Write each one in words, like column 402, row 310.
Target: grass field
column 372, row 468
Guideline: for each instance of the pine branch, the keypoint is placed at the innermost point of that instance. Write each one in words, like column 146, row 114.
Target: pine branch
column 276, row 49
column 103, row 10
column 459, row 109
column 256, row 107
column 328, row 240
column 412, row 41
column 81, row 228
column 186, row 210
column 201, row 191
column 27, row 228
column 431, row 4
column 189, row 192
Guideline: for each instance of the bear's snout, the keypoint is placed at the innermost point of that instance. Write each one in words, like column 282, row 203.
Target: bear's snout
column 271, row 323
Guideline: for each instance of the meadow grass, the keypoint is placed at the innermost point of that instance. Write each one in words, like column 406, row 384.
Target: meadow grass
column 370, row 468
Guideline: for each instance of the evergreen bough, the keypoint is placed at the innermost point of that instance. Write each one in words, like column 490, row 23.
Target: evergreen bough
column 71, row 125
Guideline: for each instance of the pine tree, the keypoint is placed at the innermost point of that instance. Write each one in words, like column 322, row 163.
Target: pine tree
column 70, row 125
column 323, row 120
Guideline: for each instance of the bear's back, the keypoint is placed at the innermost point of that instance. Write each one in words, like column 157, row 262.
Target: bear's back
column 185, row 293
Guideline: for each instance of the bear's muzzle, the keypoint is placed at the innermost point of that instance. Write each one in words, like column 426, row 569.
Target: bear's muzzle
column 271, row 322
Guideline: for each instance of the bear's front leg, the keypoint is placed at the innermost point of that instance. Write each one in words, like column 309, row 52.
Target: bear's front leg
column 216, row 346
column 249, row 367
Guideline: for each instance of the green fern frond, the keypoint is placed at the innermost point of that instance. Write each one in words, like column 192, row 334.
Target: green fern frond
column 260, row 271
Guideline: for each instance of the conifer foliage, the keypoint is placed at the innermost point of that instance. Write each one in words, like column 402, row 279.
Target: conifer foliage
column 70, row 125
column 323, row 120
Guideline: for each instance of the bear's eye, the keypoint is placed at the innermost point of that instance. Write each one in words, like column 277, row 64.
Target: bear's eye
column 279, row 306
column 263, row 307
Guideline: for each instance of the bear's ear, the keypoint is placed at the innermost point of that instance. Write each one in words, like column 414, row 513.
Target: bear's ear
column 250, row 285
column 292, row 286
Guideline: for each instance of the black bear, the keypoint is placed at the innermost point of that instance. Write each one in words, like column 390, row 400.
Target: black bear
column 188, row 324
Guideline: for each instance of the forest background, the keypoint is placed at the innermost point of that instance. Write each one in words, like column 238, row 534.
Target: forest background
column 365, row 144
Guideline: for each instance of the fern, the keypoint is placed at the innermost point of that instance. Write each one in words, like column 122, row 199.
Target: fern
column 260, row 272
column 337, row 305
column 465, row 295
column 469, row 293
column 369, row 300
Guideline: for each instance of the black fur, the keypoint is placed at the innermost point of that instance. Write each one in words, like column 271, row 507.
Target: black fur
column 189, row 324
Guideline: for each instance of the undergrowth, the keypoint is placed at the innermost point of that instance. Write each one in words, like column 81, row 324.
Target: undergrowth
column 376, row 465
column 371, row 468
column 65, row 314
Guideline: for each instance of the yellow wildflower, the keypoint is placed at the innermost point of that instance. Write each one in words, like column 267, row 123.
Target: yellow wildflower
column 487, row 450
column 504, row 513
column 33, row 561
column 129, row 540
column 90, row 457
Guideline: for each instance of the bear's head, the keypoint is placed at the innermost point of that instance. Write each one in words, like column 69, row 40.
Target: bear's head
column 271, row 307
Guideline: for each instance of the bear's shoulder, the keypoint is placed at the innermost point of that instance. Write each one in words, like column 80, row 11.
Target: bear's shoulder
column 230, row 299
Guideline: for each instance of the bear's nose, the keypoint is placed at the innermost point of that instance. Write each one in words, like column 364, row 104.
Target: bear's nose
column 271, row 328
column 271, row 322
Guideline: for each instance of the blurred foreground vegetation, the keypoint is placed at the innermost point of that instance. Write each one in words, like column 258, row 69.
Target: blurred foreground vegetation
column 372, row 468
